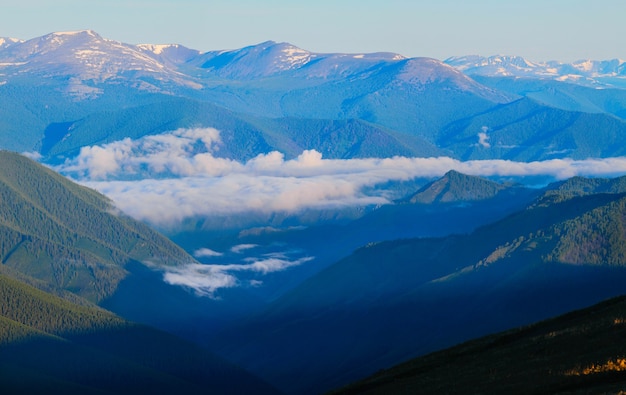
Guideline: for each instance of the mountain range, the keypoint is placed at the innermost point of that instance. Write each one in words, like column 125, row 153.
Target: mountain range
column 294, row 302
column 592, row 73
column 67, row 90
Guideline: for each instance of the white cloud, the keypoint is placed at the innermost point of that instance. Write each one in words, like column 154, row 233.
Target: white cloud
column 270, row 265
column 206, row 252
column 203, row 279
column 183, row 152
column 238, row 249
column 483, row 140
column 206, row 280
column 177, row 177
column 33, row 155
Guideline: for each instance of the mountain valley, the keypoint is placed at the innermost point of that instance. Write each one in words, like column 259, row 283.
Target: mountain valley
column 274, row 220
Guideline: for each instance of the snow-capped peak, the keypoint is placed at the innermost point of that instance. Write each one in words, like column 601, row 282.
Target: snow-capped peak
column 292, row 56
column 86, row 58
column 261, row 60
column 159, row 49
column 585, row 72
column 502, row 65
column 75, row 33
column 172, row 53
column 8, row 41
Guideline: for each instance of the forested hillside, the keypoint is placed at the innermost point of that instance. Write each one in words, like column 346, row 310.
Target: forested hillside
column 69, row 236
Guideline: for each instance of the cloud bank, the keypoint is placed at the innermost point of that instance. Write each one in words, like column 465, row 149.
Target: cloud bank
column 166, row 178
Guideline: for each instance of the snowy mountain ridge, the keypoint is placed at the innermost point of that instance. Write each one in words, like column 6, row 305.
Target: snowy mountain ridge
column 584, row 72
column 7, row 41
column 86, row 89
column 87, row 59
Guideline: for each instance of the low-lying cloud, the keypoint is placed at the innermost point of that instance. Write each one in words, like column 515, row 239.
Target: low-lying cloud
column 166, row 178
column 206, row 252
column 206, row 280
column 238, row 249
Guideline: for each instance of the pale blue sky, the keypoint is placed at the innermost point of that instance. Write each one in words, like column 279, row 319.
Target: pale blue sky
column 539, row 30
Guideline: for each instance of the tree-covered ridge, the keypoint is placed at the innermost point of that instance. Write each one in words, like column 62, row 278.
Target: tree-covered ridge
column 457, row 187
column 12, row 332
column 47, row 313
column 69, row 235
column 597, row 237
column 583, row 185
column 580, row 186
column 50, row 345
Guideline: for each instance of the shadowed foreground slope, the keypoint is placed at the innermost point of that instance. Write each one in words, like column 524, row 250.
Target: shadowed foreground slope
column 49, row 345
column 580, row 352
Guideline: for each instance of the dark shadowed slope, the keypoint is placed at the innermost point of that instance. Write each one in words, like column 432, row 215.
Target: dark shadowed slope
column 580, row 352
column 49, row 345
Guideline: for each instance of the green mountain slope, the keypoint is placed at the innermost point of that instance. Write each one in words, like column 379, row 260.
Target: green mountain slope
column 50, row 345
column 457, row 187
column 580, row 352
column 69, row 236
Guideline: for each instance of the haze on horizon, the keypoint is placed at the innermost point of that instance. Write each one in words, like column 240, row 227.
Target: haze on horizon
column 564, row 30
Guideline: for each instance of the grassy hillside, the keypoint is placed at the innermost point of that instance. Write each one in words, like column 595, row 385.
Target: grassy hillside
column 580, row 352
column 50, row 345
column 69, row 236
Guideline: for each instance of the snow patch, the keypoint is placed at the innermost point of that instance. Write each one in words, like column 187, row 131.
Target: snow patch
column 294, row 57
column 157, row 49
column 75, row 32
column 6, row 41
